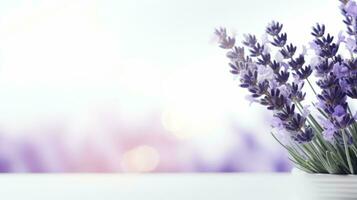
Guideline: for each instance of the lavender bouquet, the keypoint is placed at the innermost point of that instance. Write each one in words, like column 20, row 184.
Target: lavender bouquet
column 321, row 136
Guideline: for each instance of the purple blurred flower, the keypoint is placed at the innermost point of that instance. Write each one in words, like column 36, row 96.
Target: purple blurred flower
column 329, row 129
column 251, row 99
column 236, row 55
column 340, row 70
column 351, row 44
column 341, row 38
column 329, row 134
column 225, row 41
column 339, row 111
column 351, row 8
column 265, row 73
column 314, row 47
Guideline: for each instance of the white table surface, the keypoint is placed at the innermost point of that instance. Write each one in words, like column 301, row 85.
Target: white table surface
column 146, row 186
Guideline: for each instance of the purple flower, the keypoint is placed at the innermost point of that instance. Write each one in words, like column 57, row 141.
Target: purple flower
column 328, row 81
column 275, row 78
column 249, row 40
column 329, row 129
column 237, row 54
column 351, row 44
column 329, row 134
column 315, row 47
column 274, row 28
column 343, row 121
column 276, row 122
column 251, row 99
column 304, row 136
column 295, row 91
column 325, row 48
column 268, row 78
column 303, row 72
column 351, row 88
column 225, row 41
column 341, row 37
column 274, row 101
column 288, row 51
column 279, row 57
column 297, row 63
column 332, row 97
column 318, row 31
column 265, row 73
column 339, row 111
column 324, row 68
column 340, row 70
column 343, row 83
column 351, row 8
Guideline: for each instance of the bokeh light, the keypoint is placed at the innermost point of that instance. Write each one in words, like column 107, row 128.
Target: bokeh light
column 140, row 159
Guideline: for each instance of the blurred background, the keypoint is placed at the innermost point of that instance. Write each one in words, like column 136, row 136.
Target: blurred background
column 137, row 86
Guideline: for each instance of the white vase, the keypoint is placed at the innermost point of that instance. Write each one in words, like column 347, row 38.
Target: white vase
column 325, row 186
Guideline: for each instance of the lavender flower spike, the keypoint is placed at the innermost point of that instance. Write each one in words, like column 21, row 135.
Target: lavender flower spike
column 225, row 41
column 275, row 72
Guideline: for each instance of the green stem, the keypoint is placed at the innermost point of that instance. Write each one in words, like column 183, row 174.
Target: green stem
column 312, row 87
column 347, row 152
column 349, row 110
